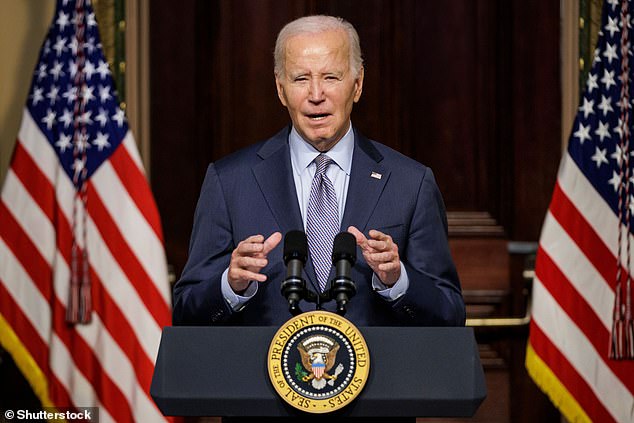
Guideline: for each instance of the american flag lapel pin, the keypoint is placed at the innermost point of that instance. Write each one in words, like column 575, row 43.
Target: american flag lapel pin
column 376, row 175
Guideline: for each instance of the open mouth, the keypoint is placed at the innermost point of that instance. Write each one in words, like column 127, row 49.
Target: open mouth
column 317, row 116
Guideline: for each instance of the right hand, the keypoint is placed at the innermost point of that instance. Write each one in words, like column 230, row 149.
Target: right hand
column 249, row 257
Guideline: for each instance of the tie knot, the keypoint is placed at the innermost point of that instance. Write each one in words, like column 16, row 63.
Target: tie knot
column 322, row 161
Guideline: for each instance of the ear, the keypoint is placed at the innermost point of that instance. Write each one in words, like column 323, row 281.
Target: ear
column 358, row 85
column 280, row 90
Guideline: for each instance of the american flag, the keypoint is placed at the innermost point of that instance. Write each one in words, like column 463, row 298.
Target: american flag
column 78, row 224
column 580, row 344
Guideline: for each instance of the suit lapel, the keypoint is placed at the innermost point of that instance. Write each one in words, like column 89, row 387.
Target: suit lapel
column 274, row 176
column 367, row 180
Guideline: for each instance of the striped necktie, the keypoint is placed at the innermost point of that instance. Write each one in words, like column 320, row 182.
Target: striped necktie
column 322, row 221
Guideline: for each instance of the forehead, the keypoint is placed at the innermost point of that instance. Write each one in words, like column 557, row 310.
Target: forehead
column 327, row 46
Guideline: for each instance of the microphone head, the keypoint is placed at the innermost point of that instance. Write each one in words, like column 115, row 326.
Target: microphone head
column 344, row 247
column 295, row 246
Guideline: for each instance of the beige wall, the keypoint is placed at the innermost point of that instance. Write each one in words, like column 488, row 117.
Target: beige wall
column 23, row 26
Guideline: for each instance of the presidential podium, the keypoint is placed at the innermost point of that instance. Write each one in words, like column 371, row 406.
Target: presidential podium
column 414, row 372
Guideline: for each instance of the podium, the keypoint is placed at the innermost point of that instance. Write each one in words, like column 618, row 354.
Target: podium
column 414, row 372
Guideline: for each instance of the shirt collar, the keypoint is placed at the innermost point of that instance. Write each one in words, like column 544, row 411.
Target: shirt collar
column 303, row 154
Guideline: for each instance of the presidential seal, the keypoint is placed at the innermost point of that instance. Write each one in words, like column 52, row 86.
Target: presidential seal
column 318, row 362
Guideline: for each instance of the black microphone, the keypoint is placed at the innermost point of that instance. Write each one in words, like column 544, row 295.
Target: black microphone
column 344, row 255
column 295, row 253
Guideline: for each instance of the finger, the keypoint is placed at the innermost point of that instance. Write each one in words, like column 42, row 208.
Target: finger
column 380, row 246
column 246, row 275
column 378, row 235
column 389, row 267
column 271, row 242
column 253, row 263
column 384, row 257
column 358, row 235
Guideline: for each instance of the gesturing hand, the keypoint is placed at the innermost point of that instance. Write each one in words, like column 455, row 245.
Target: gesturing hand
column 381, row 254
column 248, row 259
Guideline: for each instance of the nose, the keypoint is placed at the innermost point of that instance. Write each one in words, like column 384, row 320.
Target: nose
column 316, row 91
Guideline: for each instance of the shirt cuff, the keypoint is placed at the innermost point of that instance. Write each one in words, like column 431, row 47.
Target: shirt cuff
column 394, row 292
column 235, row 301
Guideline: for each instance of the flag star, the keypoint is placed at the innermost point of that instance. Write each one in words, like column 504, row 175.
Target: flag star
column 85, row 118
column 102, row 117
column 72, row 45
column 72, row 68
column 603, row 131
column 90, row 45
column 90, row 19
column 583, row 133
column 587, row 108
column 66, row 118
column 104, row 93
column 49, row 119
column 70, row 94
column 60, row 45
column 606, row 105
column 118, row 117
column 612, row 26
column 101, row 141
column 62, row 20
column 37, row 95
column 592, row 82
column 618, row 128
column 87, row 94
column 41, row 72
column 610, row 52
column 615, row 181
column 597, row 57
column 53, row 94
column 617, row 155
column 64, row 142
column 47, row 47
column 56, row 71
column 599, row 157
column 613, row 3
column 103, row 70
column 608, row 79
column 89, row 69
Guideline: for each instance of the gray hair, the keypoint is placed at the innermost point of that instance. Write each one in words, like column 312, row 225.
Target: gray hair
column 314, row 25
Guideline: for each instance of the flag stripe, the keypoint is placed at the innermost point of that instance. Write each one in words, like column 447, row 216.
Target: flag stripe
column 580, row 354
column 126, row 258
column 34, row 180
column 133, row 227
column 588, row 282
column 560, row 366
column 127, row 170
column 579, row 311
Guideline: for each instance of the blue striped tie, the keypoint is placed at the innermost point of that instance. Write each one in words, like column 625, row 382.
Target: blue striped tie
column 322, row 221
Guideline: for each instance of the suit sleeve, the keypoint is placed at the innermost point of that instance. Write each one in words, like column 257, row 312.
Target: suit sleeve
column 198, row 297
column 434, row 295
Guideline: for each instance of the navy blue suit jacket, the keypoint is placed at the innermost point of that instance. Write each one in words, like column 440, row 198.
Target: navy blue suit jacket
column 253, row 192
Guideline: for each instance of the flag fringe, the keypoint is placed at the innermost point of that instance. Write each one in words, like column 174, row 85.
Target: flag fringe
column 548, row 382
column 25, row 363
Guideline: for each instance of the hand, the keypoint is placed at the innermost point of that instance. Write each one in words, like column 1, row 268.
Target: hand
column 381, row 254
column 248, row 259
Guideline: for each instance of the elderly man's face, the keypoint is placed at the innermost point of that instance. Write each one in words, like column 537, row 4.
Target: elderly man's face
column 318, row 87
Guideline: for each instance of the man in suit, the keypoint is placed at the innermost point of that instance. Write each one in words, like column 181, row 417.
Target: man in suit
column 322, row 176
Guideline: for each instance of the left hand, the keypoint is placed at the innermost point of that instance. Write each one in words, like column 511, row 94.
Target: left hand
column 381, row 254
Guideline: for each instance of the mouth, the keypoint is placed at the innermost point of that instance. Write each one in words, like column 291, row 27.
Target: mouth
column 316, row 117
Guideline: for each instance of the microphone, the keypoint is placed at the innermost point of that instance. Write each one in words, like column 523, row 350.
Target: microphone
column 295, row 253
column 344, row 255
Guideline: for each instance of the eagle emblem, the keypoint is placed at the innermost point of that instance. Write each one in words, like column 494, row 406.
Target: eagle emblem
column 319, row 354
